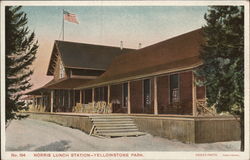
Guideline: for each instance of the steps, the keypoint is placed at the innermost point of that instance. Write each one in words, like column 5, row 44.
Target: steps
column 113, row 126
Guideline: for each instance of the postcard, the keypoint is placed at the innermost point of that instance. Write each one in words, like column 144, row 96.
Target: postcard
column 124, row 80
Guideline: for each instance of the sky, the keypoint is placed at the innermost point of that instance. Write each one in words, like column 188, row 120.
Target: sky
column 107, row 25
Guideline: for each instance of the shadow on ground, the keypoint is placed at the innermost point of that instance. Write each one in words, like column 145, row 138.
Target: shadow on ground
column 55, row 146
column 20, row 148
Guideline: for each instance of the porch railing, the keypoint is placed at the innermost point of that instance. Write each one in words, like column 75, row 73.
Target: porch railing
column 98, row 107
column 202, row 108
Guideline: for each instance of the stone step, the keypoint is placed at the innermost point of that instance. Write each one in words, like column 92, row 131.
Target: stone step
column 124, row 134
column 117, row 130
column 109, row 117
column 113, row 125
column 117, row 127
column 114, row 122
column 111, row 120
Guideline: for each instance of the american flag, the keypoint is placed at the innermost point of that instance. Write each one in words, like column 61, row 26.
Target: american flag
column 70, row 17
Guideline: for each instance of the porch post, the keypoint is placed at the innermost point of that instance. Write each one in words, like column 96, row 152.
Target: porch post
column 93, row 97
column 74, row 97
column 33, row 101
column 83, row 95
column 80, row 97
column 68, row 98
column 51, row 100
column 63, row 99
column 155, row 96
column 129, row 106
column 36, row 101
column 108, row 94
column 42, row 104
column 194, row 95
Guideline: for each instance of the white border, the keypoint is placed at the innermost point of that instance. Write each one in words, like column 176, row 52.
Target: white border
column 147, row 155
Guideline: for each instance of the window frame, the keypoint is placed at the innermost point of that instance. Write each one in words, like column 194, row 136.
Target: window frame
column 143, row 93
column 178, row 81
column 124, row 105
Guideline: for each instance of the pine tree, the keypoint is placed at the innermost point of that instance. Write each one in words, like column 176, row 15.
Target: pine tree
column 223, row 57
column 20, row 52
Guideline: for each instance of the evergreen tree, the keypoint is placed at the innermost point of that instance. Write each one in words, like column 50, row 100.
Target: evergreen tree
column 223, row 57
column 20, row 52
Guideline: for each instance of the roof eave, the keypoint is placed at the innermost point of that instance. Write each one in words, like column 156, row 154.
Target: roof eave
column 142, row 76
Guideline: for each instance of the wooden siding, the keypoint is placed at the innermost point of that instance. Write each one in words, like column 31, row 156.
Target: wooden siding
column 116, row 99
column 216, row 130
column 171, row 128
column 57, row 69
column 136, row 96
column 200, row 92
column 86, row 72
column 191, row 130
column 78, row 122
column 186, row 92
column 162, row 94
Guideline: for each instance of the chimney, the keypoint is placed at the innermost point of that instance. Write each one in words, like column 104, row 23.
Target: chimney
column 121, row 45
column 139, row 46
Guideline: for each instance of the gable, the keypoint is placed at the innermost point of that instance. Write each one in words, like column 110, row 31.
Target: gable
column 83, row 56
column 59, row 71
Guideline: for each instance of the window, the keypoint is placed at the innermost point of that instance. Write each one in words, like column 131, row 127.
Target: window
column 99, row 94
column 174, row 88
column 88, row 96
column 125, row 95
column 146, row 92
column 62, row 70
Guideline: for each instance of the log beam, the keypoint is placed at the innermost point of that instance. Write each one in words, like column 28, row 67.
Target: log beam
column 51, row 101
column 155, row 97
column 108, row 94
column 93, row 97
column 194, row 95
column 129, row 105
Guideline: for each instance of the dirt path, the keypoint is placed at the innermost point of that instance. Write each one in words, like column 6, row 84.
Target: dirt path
column 34, row 135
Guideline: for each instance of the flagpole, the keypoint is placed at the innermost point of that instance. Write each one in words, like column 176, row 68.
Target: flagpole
column 63, row 27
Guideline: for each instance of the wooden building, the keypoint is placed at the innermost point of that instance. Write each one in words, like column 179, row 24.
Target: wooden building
column 155, row 85
column 73, row 64
column 158, row 79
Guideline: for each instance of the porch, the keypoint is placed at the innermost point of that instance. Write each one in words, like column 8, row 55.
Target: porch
column 187, row 129
column 170, row 94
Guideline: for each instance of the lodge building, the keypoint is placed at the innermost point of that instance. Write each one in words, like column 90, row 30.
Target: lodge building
column 155, row 81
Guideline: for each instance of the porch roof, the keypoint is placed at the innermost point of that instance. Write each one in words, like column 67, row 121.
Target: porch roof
column 172, row 55
column 64, row 83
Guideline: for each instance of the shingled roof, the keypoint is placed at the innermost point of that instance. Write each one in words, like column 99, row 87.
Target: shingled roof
column 83, row 56
column 64, row 83
column 178, row 53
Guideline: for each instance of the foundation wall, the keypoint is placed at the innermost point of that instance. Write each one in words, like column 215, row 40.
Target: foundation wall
column 179, row 129
column 216, row 130
column 79, row 122
column 190, row 130
column 184, row 129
